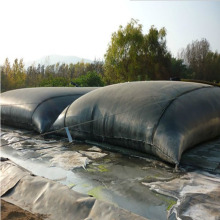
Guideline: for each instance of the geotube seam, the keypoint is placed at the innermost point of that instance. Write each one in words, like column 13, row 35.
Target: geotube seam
column 50, row 99
column 138, row 141
column 169, row 104
column 64, row 121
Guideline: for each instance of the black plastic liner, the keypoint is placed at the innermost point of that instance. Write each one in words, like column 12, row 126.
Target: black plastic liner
column 37, row 108
column 163, row 118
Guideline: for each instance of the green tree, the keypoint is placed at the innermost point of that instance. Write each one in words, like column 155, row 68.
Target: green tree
column 63, row 70
column 91, row 79
column 194, row 56
column 13, row 77
column 71, row 70
column 55, row 82
column 204, row 64
column 6, row 76
column 179, row 69
column 212, row 67
column 80, row 69
column 124, row 56
column 156, row 56
column 18, row 74
column 131, row 55
column 49, row 71
column 33, row 76
column 96, row 66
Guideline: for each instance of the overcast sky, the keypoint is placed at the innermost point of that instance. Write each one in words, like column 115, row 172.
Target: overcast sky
column 31, row 29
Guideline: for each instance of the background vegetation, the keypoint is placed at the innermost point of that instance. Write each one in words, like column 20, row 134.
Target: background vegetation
column 131, row 56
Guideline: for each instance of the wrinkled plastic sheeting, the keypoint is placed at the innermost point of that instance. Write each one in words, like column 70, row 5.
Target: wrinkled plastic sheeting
column 10, row 176
column 37, row 108
column 163, row 118
column 40, row 195
column 197, row 194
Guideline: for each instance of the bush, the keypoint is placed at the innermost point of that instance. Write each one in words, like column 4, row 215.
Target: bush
column 91, row 79
column 55, row 82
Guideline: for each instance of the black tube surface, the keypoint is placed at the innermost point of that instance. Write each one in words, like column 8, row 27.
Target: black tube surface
column 37, row 108
column 163, row 118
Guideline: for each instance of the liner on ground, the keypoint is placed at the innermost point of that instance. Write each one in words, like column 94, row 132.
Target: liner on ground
column 40, row 195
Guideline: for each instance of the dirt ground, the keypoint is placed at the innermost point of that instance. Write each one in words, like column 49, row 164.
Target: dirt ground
column 10, row 212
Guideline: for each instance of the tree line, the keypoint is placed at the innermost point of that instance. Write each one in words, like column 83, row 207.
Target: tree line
column 81, row 74
column 131, row 56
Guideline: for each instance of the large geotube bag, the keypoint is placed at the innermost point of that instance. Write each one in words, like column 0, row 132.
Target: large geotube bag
column 163, row 118
column 37, row 108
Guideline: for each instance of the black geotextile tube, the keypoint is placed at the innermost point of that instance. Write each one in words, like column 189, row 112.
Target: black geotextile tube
column 37, row 108
column 163, row 118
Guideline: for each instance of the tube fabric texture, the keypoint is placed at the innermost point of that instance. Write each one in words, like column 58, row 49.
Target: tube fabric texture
column 163, row 118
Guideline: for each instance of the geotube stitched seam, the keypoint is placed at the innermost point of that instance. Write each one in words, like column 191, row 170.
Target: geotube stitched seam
column 50, row 99
column 170, row 103
column 139, row 141
column 92, row 117
column 64, row 121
